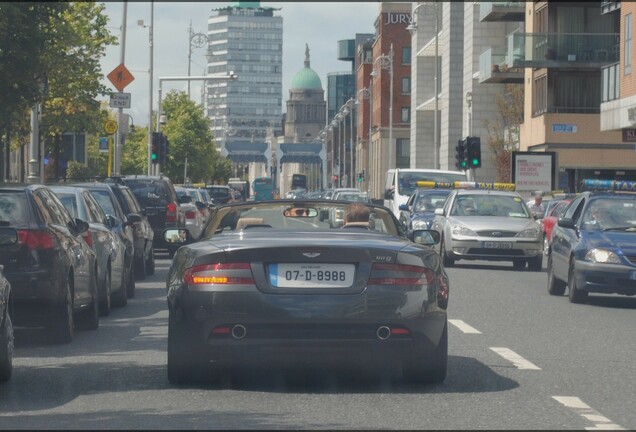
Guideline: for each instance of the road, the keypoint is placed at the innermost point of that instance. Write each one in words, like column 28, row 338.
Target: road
column 518, row 359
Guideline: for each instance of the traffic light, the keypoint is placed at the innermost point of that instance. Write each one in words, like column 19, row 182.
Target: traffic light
column 473, row 152
column 156, row 140
column 163, row 150
column 460, row 155
column 361, row 176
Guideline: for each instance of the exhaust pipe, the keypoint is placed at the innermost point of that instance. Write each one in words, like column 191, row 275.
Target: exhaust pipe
column 239, row 331
column 383, row 332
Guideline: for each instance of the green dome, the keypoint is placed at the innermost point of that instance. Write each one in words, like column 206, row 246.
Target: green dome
column 306, row 78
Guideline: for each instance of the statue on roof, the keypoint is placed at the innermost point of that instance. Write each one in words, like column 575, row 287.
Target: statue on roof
column 306, row 55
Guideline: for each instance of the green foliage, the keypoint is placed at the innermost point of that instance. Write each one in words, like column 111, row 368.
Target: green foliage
column 77, row 169
column 135, row 152
column 189, row 136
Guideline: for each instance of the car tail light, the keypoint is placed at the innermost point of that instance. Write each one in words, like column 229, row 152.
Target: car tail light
column 171, row 212
column 219, row 274
column 399, row 274
column 36, row 239
column 88, row 238
column 190, row 214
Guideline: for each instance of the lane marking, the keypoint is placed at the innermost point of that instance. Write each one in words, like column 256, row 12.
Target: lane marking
column 463, row 326
column 515, row 358
column 584, row 410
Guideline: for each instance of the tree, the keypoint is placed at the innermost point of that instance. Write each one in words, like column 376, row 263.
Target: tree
column 503, row 132
column 189, row 135
column 72, row 59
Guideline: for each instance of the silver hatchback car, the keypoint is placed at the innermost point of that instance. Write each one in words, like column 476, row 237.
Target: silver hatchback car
column 493, row 225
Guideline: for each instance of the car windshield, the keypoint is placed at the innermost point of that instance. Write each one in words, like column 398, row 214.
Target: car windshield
column 287, row 215
column 487, row 205
column 429, row 202
column 610, row 214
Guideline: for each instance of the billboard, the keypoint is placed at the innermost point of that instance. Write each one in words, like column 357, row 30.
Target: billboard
column 534, row 171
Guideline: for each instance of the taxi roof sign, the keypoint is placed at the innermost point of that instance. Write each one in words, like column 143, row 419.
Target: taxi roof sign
column 466, row 185
column 613, row 185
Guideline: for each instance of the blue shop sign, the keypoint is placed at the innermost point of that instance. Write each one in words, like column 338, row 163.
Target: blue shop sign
column 564, row 128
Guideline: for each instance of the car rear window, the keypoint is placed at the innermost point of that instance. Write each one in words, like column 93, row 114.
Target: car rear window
column 219, row 192
column 149, row 193
column 13, row 207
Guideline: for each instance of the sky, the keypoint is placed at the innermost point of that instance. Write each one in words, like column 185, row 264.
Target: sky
column 320, row 25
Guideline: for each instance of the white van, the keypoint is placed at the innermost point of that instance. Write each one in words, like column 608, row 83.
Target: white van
column 401, row 182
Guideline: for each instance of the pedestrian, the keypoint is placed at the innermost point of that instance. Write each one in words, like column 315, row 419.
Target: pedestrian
column 537, row 208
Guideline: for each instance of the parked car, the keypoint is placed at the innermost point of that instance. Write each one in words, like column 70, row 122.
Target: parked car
column 51, row 269
column 120, row 224
column 109, row 248
column 594, row 243
column 193, row 219
column 8, row 237
column 142, row 230
column 552, row 213
column 158, row 199
column 268, row 282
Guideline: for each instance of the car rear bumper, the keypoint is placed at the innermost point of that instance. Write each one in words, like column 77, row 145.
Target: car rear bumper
column 35, row 293
column 605, row 278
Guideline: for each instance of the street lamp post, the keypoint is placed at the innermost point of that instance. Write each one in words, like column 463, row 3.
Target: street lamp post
column 151, row 70
column 412, row 28
column 386, row 62
column 349, row 105
column 197, row 40
column 366, row 94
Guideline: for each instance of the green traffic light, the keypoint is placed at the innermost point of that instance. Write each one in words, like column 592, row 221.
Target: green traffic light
column 475, row 161
column 462, row 164
column 154, row 156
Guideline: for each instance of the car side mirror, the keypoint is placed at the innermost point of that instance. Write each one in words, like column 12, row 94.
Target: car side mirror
column 439, row 212
column 178, row 236
column 200, row 205
column 133, row 218
column 388, row 194
column 425, row 237
column 110, row 221
column 404, row 207
column 564, row 222
column 81, row 225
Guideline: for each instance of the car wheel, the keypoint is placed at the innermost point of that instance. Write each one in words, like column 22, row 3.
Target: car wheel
column 140, row 268
column 183, row 366
column 130, row 284
column 120, row 298
column 535, row 264
column 423, row 369
column 89, row 320
column 447, row 261
column 518, row 264
column 150, row 262
column 556, row 287
column 576, row 295
column 104, row 304
column 6, row 349
column 64, row 325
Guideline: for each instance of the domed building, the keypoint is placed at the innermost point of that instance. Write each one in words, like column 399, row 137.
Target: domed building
column 297, row 151
column 306, row 106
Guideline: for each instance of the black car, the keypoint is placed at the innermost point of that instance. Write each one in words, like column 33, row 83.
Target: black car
column 120, row 224
column 8, row 237
column 159, row 201
column 142, row 230
column 221, row 194
column 268, row 282
column 51, row 269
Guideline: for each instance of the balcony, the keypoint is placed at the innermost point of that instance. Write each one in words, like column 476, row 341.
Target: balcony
column 608, row 6
column 563, row 50
column 493, row 68
column 501, row 11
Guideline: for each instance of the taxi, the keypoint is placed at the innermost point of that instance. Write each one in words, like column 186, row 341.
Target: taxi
column 488, row 221
column 593, row 246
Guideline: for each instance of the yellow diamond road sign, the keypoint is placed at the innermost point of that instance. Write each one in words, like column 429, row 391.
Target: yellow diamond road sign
column 110, row 127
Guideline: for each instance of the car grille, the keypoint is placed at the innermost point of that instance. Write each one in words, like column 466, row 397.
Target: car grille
column 631, row 259
column 495, row 252
column 497, row 233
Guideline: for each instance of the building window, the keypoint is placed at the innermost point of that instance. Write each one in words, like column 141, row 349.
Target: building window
column 402, row 153
column 406, row 55
column 540, row 95
column 406, row 115
column 406, row 85
column 628, row 44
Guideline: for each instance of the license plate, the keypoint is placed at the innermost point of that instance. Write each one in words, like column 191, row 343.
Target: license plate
column 497, row 245
column 302, row 275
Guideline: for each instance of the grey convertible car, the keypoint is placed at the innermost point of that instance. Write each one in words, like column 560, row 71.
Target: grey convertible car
column 268, row 283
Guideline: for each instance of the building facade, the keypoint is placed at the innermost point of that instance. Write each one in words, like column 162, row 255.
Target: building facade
column 246, row 39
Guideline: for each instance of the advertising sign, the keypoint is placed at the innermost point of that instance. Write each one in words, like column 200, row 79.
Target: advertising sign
column 534, row 171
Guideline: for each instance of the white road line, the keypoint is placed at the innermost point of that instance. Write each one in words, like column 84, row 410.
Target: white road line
column 463, row 326
column 515, row 358
column 584, row 410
